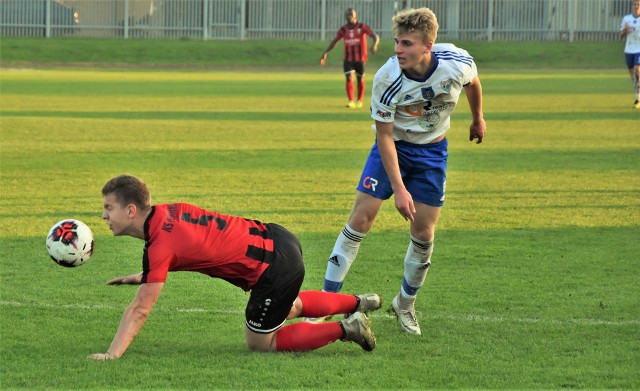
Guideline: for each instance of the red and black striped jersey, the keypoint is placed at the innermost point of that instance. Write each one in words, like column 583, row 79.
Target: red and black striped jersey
column 184, row 237
column 355, row 41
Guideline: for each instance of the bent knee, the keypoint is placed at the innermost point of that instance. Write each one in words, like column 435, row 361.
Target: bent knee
column 258, row 348
column 260, row 342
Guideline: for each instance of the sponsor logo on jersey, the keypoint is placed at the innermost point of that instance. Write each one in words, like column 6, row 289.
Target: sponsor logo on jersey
column 413, row 110
column 446, row 85
column 427, row 93
column 369, row 183
column 172, row 216
column 383, row 114
column 429, row 120
column 407, row 97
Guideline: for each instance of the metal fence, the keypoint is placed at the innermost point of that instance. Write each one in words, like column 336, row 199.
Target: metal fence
column 499, row 20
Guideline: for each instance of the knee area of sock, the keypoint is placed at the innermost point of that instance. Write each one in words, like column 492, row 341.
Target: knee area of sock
column 421, row 246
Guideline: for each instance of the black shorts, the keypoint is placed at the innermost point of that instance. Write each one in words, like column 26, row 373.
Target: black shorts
column 273, row 295
column 350, row 66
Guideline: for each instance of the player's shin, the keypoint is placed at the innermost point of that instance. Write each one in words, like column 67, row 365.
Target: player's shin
column 349, row 87
column 344, row 253
column 361, row 88
column 317, row 304
column 416, row 266
column 304, row 336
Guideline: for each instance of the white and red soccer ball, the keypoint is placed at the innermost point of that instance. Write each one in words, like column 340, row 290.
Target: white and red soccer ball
column 70, row 243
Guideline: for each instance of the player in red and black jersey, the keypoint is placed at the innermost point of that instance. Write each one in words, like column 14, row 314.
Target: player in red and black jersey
column 354, row 34
column 264, row 259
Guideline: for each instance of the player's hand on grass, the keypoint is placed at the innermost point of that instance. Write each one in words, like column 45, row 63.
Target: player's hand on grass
column 102, row 356
column 404, row 204
column 476, row 130
column 134, row 279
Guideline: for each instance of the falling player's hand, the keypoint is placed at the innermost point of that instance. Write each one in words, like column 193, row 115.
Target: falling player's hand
column 102, row 356
column 323, row 59
column 134, row 279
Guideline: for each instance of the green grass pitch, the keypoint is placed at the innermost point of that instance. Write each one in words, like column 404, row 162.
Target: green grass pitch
column 534, row 283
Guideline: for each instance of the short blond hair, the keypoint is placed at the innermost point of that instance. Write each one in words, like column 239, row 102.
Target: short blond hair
column 421, row 20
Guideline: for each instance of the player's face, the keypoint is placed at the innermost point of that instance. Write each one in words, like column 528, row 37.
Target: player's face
column 636, row 7
column 350, row 17
column 411, row 51
column 115, row 215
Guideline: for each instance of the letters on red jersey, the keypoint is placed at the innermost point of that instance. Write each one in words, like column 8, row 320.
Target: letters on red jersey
column 355, row 41
column 184, row 237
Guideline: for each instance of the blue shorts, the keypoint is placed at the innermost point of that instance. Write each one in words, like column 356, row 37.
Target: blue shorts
column 632, row 59
column 423, row 169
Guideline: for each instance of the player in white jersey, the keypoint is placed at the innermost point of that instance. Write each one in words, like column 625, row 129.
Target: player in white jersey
column 420, row 107
column 413, row 96
column 630, row 30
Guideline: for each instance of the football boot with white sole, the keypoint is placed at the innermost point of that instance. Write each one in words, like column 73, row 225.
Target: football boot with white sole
column 407, row 316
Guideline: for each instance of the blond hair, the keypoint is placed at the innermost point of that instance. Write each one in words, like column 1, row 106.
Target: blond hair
column 421, row 20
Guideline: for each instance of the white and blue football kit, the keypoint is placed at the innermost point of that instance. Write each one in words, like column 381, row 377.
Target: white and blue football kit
column 420, row 111
column 632, row 43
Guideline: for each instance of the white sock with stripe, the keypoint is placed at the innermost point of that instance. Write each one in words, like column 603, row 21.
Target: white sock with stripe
column 344, row 253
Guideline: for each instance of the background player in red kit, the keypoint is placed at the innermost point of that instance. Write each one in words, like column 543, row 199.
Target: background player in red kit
column 264, row 259
column 354, row 35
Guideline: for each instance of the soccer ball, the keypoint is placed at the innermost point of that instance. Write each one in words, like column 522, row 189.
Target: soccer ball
column 70, row 243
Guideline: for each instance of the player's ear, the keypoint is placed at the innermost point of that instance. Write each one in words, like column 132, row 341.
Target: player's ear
column 131, row 210
column 429, row 46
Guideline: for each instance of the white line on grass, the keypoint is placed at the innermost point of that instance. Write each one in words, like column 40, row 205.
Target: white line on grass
column 380, row 314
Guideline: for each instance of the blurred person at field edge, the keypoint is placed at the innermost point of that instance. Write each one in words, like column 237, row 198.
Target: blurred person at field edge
column 414, row 94
column 630, row 30
column 264, row 259
column 355, row 57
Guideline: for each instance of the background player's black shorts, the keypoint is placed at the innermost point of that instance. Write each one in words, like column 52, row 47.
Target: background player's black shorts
column 276, row 290
column 357, row 66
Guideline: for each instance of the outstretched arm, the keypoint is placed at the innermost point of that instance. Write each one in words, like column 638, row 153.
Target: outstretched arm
column 376, row 41
column 134, row 317
column 329, row 48
column 134, row 279
column 473, row 91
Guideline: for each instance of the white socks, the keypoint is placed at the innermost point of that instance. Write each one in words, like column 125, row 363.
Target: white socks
column 343, row 255
column 416, row 265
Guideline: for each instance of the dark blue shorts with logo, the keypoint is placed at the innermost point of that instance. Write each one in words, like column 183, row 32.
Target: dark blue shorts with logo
column 423, row 169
